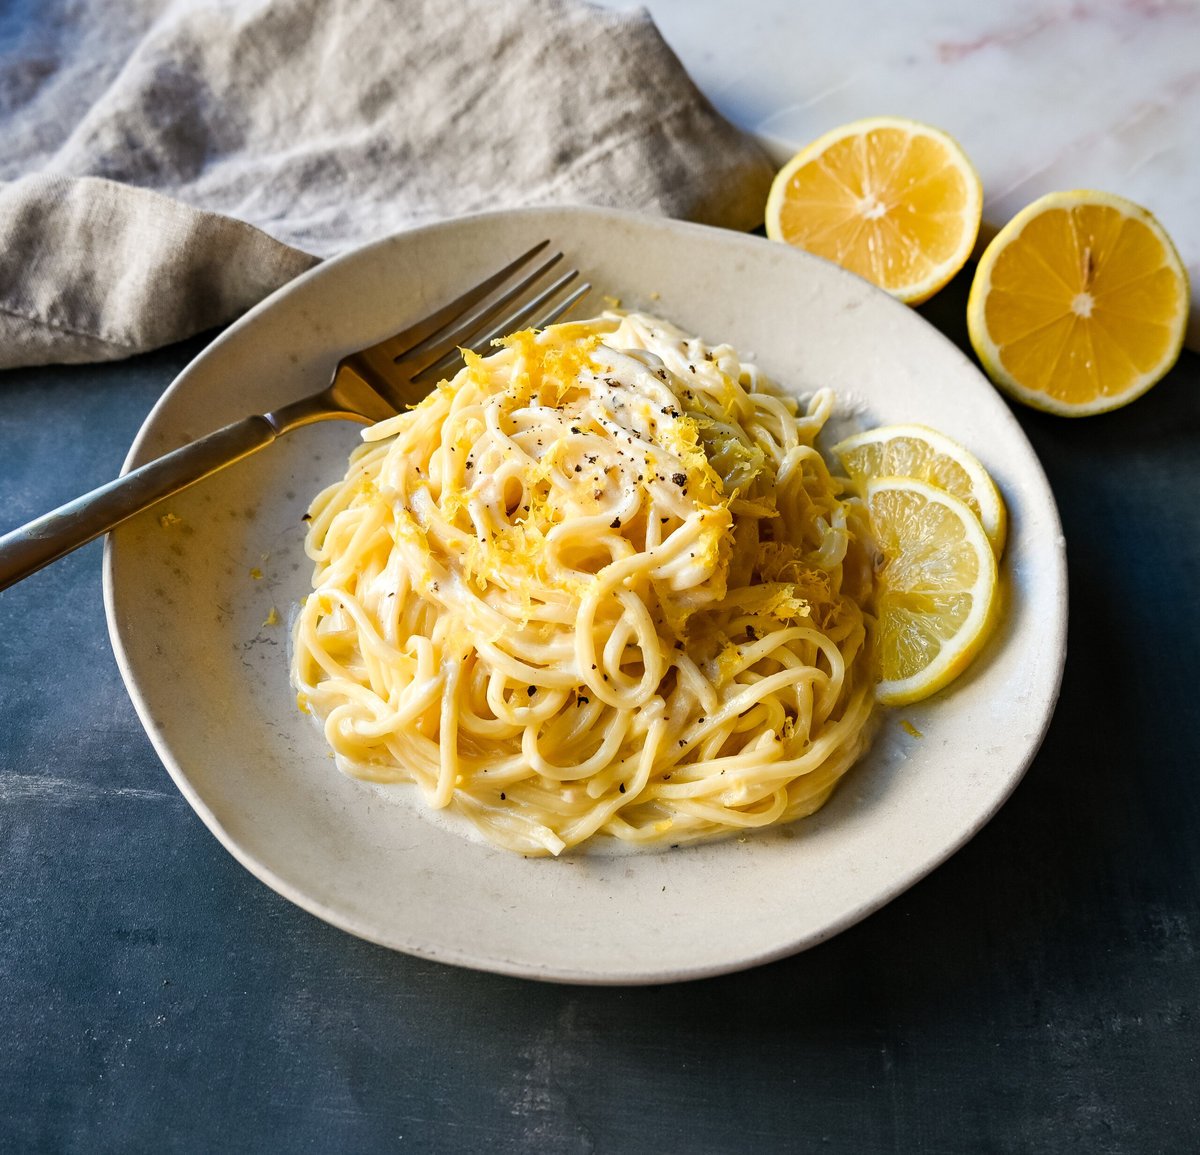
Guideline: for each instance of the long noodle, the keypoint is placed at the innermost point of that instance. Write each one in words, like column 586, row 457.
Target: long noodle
column 600, row 583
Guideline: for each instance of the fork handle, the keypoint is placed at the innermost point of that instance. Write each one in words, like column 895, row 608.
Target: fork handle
column 53, row 535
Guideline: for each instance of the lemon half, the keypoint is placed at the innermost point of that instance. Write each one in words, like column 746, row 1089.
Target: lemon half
column 895, row 201
column 1079, row 304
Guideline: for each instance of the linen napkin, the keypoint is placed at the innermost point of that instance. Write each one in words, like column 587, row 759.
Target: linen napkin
column 164, row 164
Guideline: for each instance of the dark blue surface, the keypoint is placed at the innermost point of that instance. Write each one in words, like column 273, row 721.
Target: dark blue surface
column 1036, row 993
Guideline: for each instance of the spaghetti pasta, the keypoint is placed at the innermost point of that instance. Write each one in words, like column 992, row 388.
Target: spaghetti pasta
column 600, row 583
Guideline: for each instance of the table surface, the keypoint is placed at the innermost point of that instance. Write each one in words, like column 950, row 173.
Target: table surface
column 1036, row 992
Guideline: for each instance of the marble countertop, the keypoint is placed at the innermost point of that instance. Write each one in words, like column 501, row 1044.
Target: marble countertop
column 1043, row 96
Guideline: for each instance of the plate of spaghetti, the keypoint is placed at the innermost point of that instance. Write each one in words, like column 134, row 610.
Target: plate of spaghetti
column 568, row 671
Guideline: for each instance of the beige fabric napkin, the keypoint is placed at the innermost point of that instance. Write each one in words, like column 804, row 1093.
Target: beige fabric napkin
column 164, row 164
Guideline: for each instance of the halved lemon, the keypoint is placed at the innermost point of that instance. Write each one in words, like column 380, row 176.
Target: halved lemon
column 1080, row 303
column 895, row 201
column 927, row 455
column 935, row 592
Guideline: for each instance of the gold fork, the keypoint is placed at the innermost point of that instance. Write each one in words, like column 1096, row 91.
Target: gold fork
column 367, row 386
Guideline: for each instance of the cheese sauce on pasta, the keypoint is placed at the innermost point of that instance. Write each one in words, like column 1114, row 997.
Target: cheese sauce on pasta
column 601, row 583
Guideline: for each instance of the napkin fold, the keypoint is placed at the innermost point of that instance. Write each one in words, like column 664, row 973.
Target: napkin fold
column 164, row 164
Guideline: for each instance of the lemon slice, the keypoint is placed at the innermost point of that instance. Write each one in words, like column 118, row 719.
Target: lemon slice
column 892, row 200
column 1079, row 305
column 927, row 455
column 935, row 598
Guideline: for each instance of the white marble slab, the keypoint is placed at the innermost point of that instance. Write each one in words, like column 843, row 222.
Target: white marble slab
column 1092, row 94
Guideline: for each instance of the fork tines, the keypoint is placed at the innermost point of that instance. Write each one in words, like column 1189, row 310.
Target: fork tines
column 496, row 306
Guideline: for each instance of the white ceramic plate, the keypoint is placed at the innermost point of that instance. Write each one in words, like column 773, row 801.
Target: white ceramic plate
column 187, row 612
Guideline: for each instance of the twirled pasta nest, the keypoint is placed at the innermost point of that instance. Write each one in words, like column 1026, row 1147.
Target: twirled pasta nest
column 600, row 583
